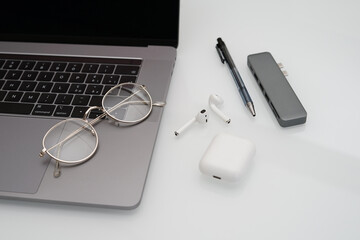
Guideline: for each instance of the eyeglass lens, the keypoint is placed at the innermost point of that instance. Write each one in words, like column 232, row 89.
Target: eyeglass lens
column 127, row 103
column 71, row 141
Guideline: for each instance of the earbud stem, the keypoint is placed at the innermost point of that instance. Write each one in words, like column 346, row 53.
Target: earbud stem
column 183, row 128
column 220, row 114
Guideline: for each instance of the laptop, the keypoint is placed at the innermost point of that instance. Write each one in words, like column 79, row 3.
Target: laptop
column 56, row 60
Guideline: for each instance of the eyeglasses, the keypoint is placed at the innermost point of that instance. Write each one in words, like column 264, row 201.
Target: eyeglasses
column 74, row 141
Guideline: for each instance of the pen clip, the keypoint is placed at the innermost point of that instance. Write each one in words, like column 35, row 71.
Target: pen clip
column 221, row 55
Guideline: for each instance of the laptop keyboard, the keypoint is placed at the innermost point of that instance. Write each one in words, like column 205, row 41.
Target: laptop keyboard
column 59, row 86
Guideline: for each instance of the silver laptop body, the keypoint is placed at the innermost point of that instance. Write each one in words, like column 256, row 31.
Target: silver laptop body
column 115, row 176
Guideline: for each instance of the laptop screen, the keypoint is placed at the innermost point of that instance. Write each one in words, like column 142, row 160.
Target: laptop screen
column 109, row 22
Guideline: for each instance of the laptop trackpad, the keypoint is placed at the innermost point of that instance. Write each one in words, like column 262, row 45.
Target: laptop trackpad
column 21, row 168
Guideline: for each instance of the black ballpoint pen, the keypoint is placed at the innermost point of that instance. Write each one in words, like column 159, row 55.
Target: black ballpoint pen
column 225, row 57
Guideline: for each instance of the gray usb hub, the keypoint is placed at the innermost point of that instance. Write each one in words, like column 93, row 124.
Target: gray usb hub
column 282, row 99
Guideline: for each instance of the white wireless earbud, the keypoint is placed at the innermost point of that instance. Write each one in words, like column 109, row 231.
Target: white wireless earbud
column 201, row 117
column 215, row 101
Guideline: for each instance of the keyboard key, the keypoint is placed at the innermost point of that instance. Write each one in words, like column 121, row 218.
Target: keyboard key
column 60, row 87
column 106, row 89
column 64, row 99
column 16, row 108
column 27, row 65
column 11, row 85
column 74, row 67
column 127, row 70
column 30, row 97
column 13, row 75
column 79, row 112
column 29, row 75
column 58, row 66
column 109, row 69
column 125, row 79
column 47, row 98
column 27, row 86
column 90, row 68
column 96, row 113
column 11, row 64
column 111, row 79
column 124, row 92
column 2, row 95
column 14, row 96
column 96, row 101
column 77, row 77
column 45, row 76
column 94, row 89
column 43, row 110
column 2, row 73
column 44, row 87
column 63, row 111
column 61, row 77
column 42, row 66
column 94, row 78
column 81, row 100
column 1, row 62
column 77, row 88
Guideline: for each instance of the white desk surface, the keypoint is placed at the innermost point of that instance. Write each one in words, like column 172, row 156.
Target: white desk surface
column 305, row 180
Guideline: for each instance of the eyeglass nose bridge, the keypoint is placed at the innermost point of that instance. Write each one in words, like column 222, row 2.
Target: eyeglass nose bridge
column 87, row 113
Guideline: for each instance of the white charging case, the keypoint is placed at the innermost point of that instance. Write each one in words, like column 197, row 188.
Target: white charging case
column 227, row 157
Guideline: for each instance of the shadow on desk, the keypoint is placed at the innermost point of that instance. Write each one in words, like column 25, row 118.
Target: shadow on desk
column 322, row 164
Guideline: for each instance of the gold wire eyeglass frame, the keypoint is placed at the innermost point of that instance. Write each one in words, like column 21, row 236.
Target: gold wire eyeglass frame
column 86, row 125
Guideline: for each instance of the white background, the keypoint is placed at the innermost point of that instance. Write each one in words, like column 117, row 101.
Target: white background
column 304, row 182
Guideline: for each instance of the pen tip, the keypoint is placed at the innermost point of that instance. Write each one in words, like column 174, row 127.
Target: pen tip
column 251, row 108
